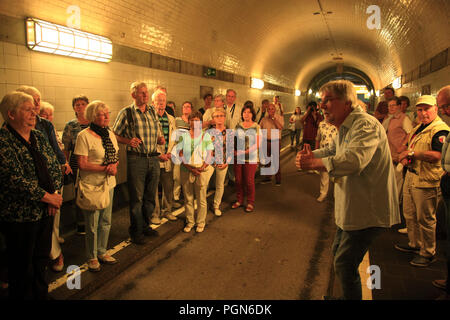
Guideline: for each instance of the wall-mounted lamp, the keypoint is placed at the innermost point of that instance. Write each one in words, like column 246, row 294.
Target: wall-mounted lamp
column 397, row 83
column 257, row 83
column 52, row 38
column 310, row 91
column 298, row 93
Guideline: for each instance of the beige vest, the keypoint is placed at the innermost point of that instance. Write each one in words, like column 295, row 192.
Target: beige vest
column 428, row 173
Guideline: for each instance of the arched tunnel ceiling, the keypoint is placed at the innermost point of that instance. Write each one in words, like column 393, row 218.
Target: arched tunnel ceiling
column 282, row 42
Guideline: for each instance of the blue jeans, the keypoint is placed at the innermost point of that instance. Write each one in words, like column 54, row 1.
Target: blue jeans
column 349, row 248
column 98, row 225
column 143, row 179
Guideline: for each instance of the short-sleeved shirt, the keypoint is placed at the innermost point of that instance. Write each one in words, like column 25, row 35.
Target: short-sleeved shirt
column 69, row 137
column 146, row 128
column 195, row 150
column 222, row 139
column 246, row 138
column 326, row 134
column 437, row 141
column 91, row 146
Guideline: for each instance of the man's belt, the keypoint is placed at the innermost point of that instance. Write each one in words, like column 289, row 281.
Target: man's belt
column 141, row 154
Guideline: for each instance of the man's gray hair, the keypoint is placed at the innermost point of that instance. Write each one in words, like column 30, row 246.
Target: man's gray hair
column 136, row 85
column 46, row 106
column 158, row 93
column 32, row 91
column 13, row 101
column 342, row 89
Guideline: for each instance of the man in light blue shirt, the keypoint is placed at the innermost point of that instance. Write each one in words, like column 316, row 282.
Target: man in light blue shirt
column 359, row 161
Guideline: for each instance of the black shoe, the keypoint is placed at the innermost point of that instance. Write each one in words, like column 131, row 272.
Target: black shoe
column 406, row 248
column 139, row 240
column 149, row 232
column 421, row 261
column 266, row 181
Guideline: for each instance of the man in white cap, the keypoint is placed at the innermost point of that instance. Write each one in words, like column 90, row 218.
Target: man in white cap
column 421, row 186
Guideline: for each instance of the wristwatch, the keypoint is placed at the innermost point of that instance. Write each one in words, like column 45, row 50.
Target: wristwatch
column 411, row 155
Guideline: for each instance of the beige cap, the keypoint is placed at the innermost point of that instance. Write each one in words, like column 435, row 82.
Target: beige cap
column 426, row 99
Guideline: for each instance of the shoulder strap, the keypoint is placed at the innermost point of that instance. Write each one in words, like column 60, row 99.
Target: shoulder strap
column 130, row 120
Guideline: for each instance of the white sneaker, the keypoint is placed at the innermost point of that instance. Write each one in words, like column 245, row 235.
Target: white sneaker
column 321, row 197
column 200, row 229
column 403, row 231
column 187, row 228
column 217, row 212
column 155, row 220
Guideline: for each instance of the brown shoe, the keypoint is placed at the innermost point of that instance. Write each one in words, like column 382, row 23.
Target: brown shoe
column 106, row 259
column 441, row 283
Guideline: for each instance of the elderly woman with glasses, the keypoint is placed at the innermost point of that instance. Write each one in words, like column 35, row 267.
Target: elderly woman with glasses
column 195, row 150
column 98, row 157
column 30, row 176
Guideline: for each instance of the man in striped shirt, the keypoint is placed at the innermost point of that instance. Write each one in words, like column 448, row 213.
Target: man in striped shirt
column 138, row 127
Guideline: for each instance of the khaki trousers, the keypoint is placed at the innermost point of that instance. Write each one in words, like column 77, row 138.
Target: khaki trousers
column 220, row 187
column 176, row 182
column 166, row 181
column 419, row 210
column 324, row 183
column 56, row 247
column 198, row 189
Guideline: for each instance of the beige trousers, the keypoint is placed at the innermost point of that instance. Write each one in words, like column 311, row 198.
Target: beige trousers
column 166, row 181
column 198, row 189
column 419, row 210
column 176, row 182
column 56, row 247
column 220, row 187
column 324, row 182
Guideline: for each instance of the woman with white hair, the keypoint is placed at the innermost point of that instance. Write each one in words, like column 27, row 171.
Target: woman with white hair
column 30, row 177
column 98, row 156
column 46, row 112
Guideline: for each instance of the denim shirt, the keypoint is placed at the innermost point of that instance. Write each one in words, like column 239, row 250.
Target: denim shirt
column 360, row 162
column 51, row 137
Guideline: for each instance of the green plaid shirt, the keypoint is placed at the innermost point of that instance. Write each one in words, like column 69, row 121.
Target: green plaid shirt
column 146, row 127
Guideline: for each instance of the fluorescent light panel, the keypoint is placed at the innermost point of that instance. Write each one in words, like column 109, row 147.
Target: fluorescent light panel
column 257, row 83
column 52, row 38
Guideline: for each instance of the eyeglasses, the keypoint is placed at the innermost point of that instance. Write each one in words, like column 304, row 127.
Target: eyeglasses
column 219, row 116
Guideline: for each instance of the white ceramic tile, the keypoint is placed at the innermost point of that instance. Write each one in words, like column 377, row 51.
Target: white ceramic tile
column 25, row 78
column 12, row 62
column 10, row 48
column 12, row 77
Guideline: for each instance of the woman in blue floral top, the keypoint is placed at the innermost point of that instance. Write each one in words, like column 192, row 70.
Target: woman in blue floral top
column 29, row 175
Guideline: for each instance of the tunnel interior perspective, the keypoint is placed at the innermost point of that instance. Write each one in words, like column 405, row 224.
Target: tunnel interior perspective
column 278, row 247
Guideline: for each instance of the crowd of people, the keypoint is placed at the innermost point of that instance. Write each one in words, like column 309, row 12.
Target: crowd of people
column 383, row 164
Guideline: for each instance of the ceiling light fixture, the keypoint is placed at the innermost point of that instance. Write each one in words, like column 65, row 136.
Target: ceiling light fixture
column 48, row 37
column 257, row 83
